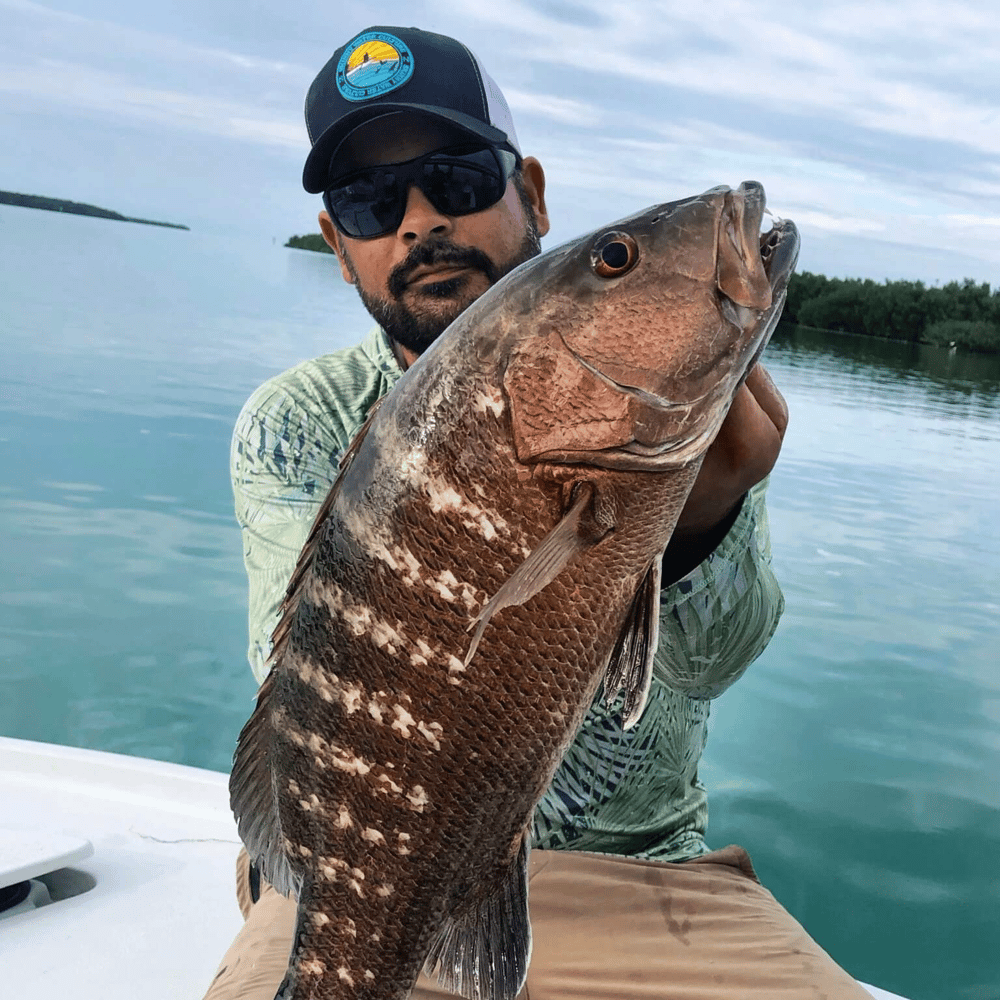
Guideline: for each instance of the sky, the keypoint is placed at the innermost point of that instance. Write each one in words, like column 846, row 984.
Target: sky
column 874, row 125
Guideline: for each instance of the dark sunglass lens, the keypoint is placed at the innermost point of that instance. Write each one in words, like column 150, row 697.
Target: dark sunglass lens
column 367, row 205
column 462, row 183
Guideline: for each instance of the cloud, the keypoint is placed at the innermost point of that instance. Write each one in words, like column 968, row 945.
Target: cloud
column 992, row 221
column 760, row 55
column 79, row 36
column 114, row 94
column 807, row 219
column 119, row 72
column 858, row 121
column 560, row 109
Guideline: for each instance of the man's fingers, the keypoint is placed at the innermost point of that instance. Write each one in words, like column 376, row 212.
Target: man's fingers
column 768, row 397
column 750, row 438
column 742, row 454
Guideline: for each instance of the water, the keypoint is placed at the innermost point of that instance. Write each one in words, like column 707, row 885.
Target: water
column 857, row 760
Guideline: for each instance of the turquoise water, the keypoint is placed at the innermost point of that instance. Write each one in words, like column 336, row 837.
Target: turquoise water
column 857, row 760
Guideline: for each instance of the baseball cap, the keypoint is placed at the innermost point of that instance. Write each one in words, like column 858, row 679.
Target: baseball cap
column 385, row 69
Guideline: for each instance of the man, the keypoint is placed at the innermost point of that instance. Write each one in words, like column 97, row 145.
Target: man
column 428, row 202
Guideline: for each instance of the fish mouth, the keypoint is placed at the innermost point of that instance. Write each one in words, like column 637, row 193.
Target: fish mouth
column 779, row 249
column 670, row 429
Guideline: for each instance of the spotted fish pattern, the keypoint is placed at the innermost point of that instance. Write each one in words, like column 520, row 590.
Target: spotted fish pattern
column 286, row 449
column 487, row 559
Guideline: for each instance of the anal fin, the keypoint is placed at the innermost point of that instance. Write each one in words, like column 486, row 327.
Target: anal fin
column 630, row 668
column 483, row 952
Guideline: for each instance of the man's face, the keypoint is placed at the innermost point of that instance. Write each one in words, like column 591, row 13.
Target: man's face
column 418, row 279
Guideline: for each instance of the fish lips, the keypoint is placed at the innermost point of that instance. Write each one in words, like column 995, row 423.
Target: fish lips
column 667, row 422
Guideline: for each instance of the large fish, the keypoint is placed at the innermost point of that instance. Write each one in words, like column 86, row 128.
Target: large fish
column 489, row 554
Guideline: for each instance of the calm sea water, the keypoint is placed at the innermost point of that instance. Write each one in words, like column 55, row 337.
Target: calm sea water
column 858, row 759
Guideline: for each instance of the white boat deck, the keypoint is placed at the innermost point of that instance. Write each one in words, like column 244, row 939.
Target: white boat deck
column 162, row 909
column 144, row 852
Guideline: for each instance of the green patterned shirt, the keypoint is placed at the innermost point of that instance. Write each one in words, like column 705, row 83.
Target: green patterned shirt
column 634, row 793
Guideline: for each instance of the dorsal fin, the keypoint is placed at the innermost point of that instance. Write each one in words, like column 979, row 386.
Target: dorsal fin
column 251, row 792
column 279, row 638
column 251, row 797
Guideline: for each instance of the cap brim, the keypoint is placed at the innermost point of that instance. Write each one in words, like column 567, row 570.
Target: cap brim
column 316, row 171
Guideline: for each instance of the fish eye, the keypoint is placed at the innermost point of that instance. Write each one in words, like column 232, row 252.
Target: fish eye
column 614, row 254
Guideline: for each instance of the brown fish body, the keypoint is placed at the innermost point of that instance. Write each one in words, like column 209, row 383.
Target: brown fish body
column 492, row 543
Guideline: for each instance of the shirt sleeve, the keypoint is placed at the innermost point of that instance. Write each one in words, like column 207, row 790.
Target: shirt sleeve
column 282, row 464
column 719, row 618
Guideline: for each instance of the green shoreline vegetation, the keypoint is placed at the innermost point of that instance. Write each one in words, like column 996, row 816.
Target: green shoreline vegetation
column 958, row 314
column 75, row 208
column 312, row 241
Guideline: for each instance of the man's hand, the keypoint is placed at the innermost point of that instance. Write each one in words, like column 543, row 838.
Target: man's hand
column 742, row 454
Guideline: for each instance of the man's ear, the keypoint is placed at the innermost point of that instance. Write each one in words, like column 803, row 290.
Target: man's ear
column 335, row 243
column 534, row 186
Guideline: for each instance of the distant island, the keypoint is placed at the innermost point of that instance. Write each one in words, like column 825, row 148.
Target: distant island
column 958, row 314
column 75, row 208
column 313, row 241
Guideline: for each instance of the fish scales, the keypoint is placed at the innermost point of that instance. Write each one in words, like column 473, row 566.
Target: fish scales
column 490, row 547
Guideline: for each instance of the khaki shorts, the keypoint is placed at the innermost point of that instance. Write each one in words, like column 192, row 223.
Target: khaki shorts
column 604, row 927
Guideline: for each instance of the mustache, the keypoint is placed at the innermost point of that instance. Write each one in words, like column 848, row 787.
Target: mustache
column 433, row 254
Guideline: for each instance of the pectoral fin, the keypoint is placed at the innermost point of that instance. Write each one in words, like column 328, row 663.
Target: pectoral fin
column 556, row 550
column 483, row 952
column 631, row 666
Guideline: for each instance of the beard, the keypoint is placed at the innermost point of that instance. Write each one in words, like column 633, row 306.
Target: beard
column 439, row 303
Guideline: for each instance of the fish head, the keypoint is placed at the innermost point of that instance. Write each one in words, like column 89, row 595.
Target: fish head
column 645, row 329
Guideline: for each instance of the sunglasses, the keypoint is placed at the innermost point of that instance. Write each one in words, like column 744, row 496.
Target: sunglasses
column 459, row 180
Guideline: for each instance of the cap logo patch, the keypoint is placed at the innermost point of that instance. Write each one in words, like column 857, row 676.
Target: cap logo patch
column 372, row 65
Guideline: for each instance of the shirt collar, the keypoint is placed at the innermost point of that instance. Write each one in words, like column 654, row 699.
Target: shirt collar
column 378, row 349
